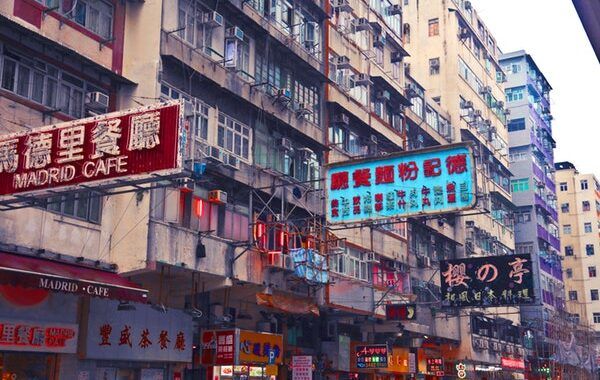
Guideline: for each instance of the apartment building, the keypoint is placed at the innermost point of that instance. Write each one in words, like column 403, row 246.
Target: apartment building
column 578, row 198
column 271, row 92
column 455, row 57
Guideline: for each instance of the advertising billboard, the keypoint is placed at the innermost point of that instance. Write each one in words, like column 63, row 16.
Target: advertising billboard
column 120, row 145
column 487, row 281
column 423, row 182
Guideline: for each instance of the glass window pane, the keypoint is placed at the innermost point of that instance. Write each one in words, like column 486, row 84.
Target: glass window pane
column 63, row 98
column 81, row 209
column 8, row 74
column 94, row 209
column 69, row 205
column 37, row 91
column 23, row 81
column 51, row 88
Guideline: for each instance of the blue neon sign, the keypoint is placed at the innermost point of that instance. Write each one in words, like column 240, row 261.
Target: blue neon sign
column 428, row 181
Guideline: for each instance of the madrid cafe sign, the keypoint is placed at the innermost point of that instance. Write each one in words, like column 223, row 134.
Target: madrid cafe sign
column 132, row 143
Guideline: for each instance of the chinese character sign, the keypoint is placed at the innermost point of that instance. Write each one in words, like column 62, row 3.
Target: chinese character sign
column 435, row 365
column 487, row 281
column 256, row 347
column 126, row 143
column 140, row 334
column 302, row 367
column 428, row 181
column 371, row 356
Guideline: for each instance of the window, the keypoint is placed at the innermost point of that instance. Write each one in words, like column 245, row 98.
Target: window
column 434, row 66
column 569, row 250
column 592, row 271
column 43, row 84
column 567, row 229
column 596, row 317
column 515, row 94
column 516, row 125
column 564, row 207
column 434, row 27
column 193, row 29
column 85, row 206
column 587, row 227
column 524, row 248
column 563, row 186
column 589, row 249
column 572, row 295
column 584, row 184
column 95, row 15
column 569, row 273
column 233, row 136
column 585, row 205
column 518, row 185
column 523, row 217
column 594, row 294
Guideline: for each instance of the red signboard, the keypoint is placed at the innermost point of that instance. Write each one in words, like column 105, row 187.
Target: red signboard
column 38, row 336
column 401, row 312
column 218, row 347
column 511, row 363
column 116, row 145
column 435, row 365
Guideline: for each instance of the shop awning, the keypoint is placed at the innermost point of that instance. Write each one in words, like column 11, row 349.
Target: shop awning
column 287, row 304
column 40, row 273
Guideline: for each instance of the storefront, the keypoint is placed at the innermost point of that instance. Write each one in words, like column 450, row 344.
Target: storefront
column 139, row 342
column 236, row 354
column 41, row 309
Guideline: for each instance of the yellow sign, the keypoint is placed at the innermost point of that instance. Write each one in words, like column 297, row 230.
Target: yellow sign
column 257, row 347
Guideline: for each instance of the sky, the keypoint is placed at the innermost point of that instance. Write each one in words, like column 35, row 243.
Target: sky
column 551, row 32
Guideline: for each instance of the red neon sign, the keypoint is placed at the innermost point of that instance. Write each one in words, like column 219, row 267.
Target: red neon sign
column 121, row 144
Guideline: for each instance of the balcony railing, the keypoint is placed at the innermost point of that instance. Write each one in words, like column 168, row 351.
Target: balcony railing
column 542, row 233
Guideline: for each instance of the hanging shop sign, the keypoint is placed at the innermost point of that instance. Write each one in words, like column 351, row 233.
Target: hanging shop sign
column 422, row 182
column 302, row 367
column 235, row 346
column 96, row 150
column 401, row 312
column 371, row 356
column 398, row 360
column 435, row 366
column 512, row 363
column 487, row 281
column 17, row 335
column 142, row 334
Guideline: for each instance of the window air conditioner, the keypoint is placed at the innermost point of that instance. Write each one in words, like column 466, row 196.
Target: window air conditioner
column 361, row 24
column 212, row 19
column 361, row 80
column 395, row 9
column 97, row 101
column 341, row 118
column 342, row 5
column 341, row 62
column 217, row 196
column 234, row 32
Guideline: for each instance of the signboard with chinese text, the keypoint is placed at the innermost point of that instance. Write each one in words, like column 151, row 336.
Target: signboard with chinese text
column 371, row 356
column 302, row 367
column 435, row 366
column 218, row 347
column 398, row 360
column 428, row 181
column 512, row 363
column 17, row 335
column 401, row 312
column 95, row 150
column 141, row 334
column 254, row 347
column 487, row 281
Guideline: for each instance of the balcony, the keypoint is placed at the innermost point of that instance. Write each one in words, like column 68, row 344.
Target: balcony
column 537, row 172
column 175, row 245
column 554, row 242
column 275, row 31
column 542, row 233
column 231, row 81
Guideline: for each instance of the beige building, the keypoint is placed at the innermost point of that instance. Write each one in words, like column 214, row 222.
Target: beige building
column 579, row 217
column 455, row 57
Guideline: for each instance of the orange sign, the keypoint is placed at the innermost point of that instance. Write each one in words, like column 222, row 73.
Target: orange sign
column 257, row 347
column 398, row 360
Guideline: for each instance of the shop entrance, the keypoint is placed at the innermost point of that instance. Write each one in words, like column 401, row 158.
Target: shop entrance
column 22, row 365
